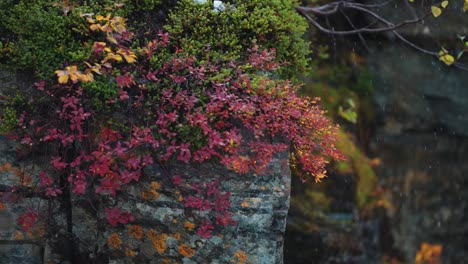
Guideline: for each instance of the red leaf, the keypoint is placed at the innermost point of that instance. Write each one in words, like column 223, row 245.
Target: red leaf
column 27, row 220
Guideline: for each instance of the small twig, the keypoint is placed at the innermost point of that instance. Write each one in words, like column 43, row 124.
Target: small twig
column 361, row 37
column 386, row 25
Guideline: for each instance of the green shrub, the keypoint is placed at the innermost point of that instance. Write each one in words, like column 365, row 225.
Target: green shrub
column 43, row 35
column 226, row 35
column 41, row 41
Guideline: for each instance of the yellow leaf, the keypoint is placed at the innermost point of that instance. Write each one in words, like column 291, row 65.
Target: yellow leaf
column 101, row 18
column 119, row 28
column 63, row 78
column 411, row 1
column 447, row 59
column 465, row 6
column 90, row 72
column 81, row 77
column 112, row 56
column 73, row 77
column 444, row 4
column 90, row 76
column 118, row 19
column 107, row 65
column 96, row 69
column 106, row 28
column 111, row 38
column 128, row 55
column 436, row 11
column 118, row 57
column 130, row 58
column 95, row 27
column 72, row 69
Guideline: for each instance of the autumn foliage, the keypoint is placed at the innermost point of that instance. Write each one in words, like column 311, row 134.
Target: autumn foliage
column 129, row 106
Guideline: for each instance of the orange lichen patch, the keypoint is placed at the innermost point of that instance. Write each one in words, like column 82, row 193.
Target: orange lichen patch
column 38, row 231
column 226, row 246
column 160, row 243
column 180, row 199
column 186, row 251
column 158, row 240
column 174, row 221
column 18, row 235
column 6, row 167
column 155, row 185
column 151, row 234
column 176, row 236
column 429, row 254
column 130, row 253
column 149, row 194
column 244, row 204
column 2, row 206
column 23, row 178
column 135, row 231
column 241, row 257
column 114, row 241
column 189, row 225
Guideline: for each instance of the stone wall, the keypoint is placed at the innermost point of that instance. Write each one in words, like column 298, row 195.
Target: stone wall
column 422, row 139
column 162, row 231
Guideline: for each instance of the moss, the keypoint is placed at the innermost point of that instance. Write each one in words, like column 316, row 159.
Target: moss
column 41, row 43
column 10, row 113
column 101, row 90
column 43, row 35
column 361, row 165
column 226, row 35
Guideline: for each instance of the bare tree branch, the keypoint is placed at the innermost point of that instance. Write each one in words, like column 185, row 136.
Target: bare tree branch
column 379, row 23
column 340, row 6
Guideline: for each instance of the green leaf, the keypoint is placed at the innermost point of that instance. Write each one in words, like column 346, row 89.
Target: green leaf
column 349, row 115
column 444, row 4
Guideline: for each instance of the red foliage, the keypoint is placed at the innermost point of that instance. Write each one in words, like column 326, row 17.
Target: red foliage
column 205, row 230
column 115, row 216
column 28, row 220
column 176, row 109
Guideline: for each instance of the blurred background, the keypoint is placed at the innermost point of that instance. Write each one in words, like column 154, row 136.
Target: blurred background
column 401, row 195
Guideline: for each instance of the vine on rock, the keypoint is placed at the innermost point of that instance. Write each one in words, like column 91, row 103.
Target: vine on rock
column 127, row 107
